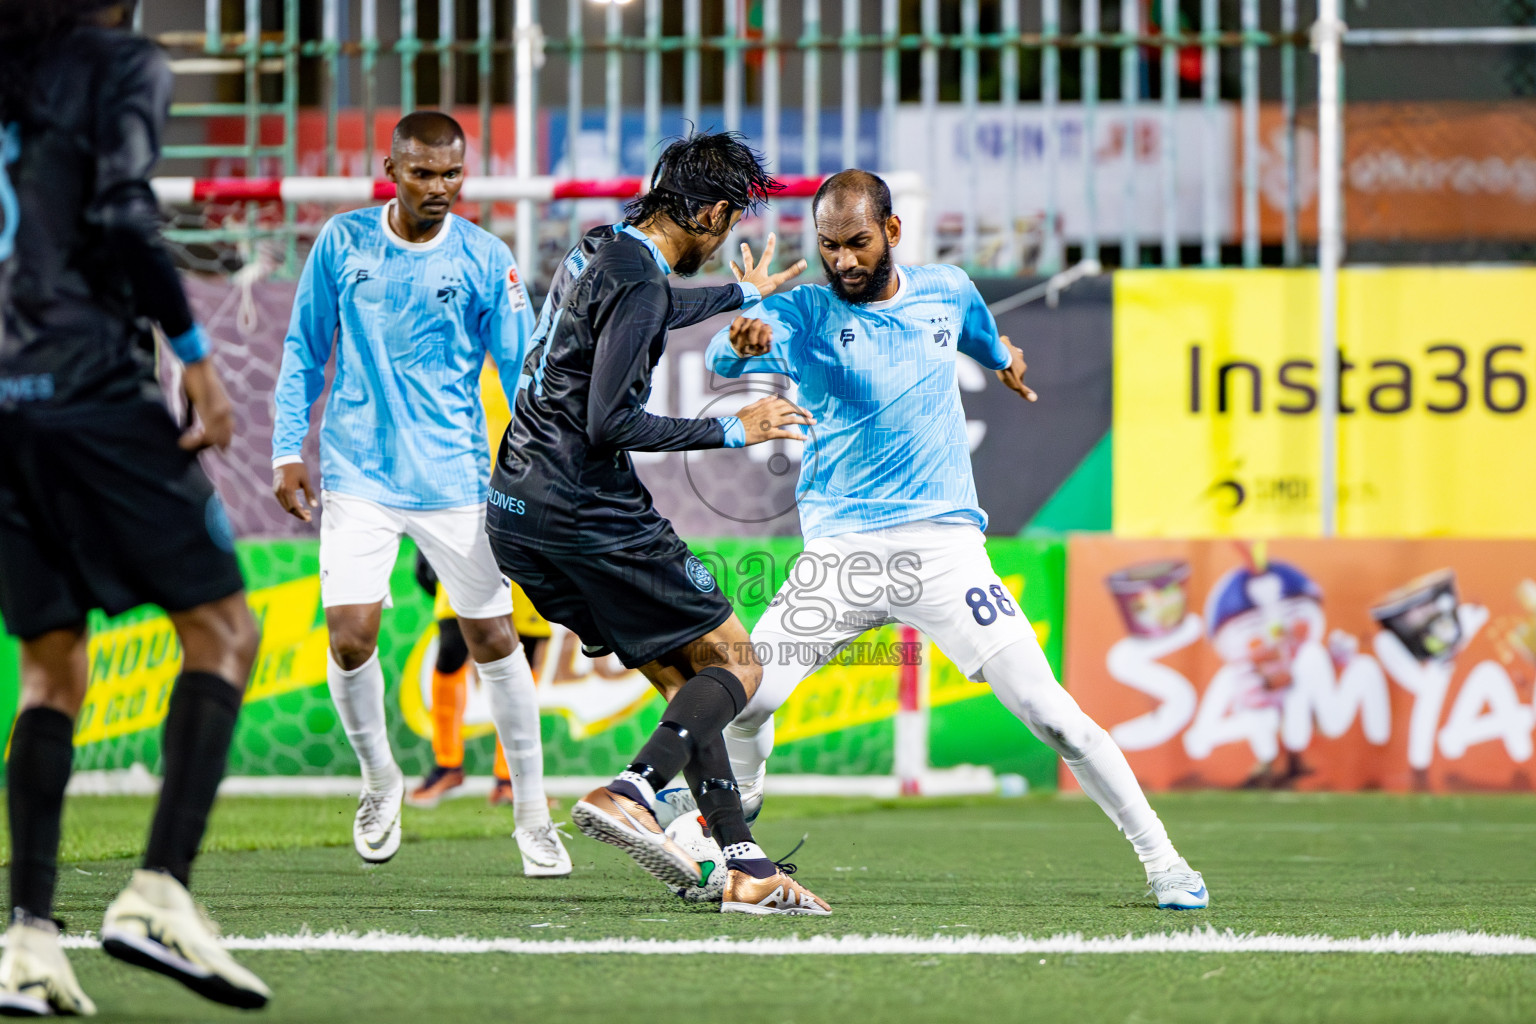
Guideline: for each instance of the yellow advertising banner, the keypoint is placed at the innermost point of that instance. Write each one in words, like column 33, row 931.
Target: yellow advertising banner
column 1217, row 411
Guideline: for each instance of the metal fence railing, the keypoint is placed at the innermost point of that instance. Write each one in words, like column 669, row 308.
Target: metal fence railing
column 1139, row 132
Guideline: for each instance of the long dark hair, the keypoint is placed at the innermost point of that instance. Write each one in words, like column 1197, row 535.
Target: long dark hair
column 697, row 172
column 26, row 27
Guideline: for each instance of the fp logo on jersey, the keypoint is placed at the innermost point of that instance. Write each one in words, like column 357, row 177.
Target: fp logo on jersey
column 846, row 336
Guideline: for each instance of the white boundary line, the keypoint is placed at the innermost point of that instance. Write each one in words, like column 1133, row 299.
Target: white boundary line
column 1198, row 940
column 138, row 781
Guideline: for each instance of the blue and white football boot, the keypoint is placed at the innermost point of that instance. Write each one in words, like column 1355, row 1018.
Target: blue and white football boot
column 1179, row 888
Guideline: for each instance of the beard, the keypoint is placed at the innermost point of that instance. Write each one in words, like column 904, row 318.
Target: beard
column 690, row 262
column 875, row 281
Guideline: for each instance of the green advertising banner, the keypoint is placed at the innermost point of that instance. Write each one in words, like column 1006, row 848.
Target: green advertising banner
column 839, row 722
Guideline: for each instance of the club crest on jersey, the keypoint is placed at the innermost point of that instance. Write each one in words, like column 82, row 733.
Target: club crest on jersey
column 699, row 574
column 941, row 337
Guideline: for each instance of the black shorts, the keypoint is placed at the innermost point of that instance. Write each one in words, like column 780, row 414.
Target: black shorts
column 642, row 601
column 99, row 508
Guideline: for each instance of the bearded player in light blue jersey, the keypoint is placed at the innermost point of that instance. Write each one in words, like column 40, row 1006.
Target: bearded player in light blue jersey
column 888, row 504
column 416, row 298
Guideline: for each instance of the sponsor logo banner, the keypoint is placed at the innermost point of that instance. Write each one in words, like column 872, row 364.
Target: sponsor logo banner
column 1313, row 664
column 1108, row 165
column 1444, row 171
column 840, row 720
column 1216, row 402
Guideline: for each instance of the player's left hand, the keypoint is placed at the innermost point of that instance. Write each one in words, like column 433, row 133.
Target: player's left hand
column 1013, row 375
column 757, row 274
column 214, row 422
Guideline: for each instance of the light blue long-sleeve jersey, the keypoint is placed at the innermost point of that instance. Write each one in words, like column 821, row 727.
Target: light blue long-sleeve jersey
column 404, row 425
column 889, row 445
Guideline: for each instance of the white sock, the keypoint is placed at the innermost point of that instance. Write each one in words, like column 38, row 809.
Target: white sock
column 744, row 851
column 1022, row 679
column 1106, row 776
column 359, row 699
column 515, row 708
column 749, row 738
column 749, row 745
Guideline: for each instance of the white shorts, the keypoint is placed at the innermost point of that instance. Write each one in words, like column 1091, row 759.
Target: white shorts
column 360, row 540
column 935, row 577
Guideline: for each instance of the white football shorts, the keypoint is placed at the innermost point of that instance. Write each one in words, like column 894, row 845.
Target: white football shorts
column 360, row 540
column 933, row 576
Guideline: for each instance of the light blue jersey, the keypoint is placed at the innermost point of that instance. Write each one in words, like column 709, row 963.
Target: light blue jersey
column 404, row 425
column 889, row 445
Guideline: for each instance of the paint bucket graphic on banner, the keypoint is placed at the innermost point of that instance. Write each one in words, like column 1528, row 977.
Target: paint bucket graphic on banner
column 1422, row 614
column 1152, row 596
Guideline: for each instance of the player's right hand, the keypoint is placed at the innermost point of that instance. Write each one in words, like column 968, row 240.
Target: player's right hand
column 768, row 419
column 751, row 337
column 214, row 415
column 287, row 481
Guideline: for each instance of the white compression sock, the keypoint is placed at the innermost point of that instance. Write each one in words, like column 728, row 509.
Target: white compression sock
column 359, row 699
column 515, row 708
column 1022, row 679
column 1106, row 776
column 749, row 738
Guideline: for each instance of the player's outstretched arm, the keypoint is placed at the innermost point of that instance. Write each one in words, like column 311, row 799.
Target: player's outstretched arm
column 771, row 419
column 695, row 305
column 626, row 320
column 763, row 340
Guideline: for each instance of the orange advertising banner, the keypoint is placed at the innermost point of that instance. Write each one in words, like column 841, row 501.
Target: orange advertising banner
column 1438, row 171
column 1308, row 664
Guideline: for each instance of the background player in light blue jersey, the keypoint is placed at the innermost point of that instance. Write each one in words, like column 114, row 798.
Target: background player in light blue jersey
column 415, row 299
column 888, row 504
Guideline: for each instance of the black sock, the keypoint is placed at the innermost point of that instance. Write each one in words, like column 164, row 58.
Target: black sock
column 42, row 751
column 714, row 788
column 452, row 649
column 198, row 728
column 702, row 707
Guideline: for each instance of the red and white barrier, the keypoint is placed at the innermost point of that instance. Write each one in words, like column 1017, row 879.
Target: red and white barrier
column 908, row 196
column 476, row 189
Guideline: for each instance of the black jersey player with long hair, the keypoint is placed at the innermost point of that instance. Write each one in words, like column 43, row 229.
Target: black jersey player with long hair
column 571, row 522
column 102, row 501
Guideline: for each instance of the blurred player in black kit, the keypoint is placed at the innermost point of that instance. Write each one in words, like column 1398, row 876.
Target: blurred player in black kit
column 102, row 501
column 570, row 521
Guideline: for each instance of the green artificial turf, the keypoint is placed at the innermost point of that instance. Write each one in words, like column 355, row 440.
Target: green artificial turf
column 1292, row 864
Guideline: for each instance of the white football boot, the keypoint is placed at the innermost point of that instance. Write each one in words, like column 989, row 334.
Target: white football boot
column 691, row 833
column 1179, row 888
column 35, row 977
column 376, row 828
column 672, row 803
column 543, row 853
column 678, row 802
column 155, row 924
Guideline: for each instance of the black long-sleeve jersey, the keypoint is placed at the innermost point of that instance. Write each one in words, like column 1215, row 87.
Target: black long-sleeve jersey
column 88, row 269
column 564, row 481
